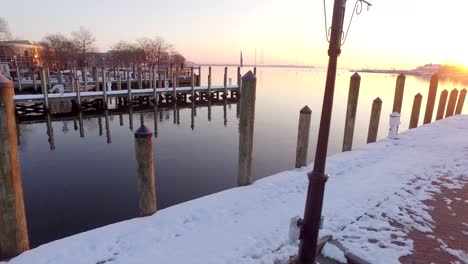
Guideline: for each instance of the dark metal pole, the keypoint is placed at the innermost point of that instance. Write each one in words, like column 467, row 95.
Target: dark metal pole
column 318, row 177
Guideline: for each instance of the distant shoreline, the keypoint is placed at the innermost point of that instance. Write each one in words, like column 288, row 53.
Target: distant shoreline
column 258, row 66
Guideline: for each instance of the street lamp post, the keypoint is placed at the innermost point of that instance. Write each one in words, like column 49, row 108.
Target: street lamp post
column 317, row 178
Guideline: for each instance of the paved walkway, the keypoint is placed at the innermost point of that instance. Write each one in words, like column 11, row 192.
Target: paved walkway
column 448, row 243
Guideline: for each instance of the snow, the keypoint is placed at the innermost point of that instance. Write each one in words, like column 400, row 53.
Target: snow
column 333, row 252
column 373, row 199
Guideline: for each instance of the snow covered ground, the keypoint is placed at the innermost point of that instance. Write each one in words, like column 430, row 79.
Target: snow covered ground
column 369, row 190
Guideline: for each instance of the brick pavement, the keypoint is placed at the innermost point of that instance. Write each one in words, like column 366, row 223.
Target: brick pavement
column 449, row 241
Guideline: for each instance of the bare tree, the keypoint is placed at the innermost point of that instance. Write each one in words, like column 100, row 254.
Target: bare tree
column 84, row 41
column 58, row 51
column 156, row 51
column 178, row 58
column 5, row 33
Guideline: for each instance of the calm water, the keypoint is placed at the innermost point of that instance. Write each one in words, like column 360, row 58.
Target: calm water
column 86, row 182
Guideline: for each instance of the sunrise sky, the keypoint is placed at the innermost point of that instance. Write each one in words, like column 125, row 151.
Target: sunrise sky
column 393, row 33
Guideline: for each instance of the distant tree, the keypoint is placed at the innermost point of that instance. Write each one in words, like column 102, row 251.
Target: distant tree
column 146, row 51
column 58, row 51
column 5, row 33
column 84, row 41
column 178, row 59
column 156, row 51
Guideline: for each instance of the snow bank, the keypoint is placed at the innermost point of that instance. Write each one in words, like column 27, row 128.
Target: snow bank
column 369, row 189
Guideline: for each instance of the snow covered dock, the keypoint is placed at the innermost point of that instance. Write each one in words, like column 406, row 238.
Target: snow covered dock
column 373, row 199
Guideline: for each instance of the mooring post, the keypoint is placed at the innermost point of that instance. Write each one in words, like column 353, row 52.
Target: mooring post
column 174, row 87
column 255, row 71
column 96, row 78
column 35, row 82
column 119, row 82
column 399, row 90
column 451, row 103
column 415, row 111
column 129, row 91
column 461, row 102
column 49, row 83
column 239, row 76
column 104, row 87
column 60, row 79
column 45, row 91
column 225, row 80
column 140, row 79
column 155, row 94
column 145, row 165
column 246, row 128
column 431, row 98
column 374, row 120
column 13, row 228
column 85, row 79
column 442, row 104
column 353, row 96
column 18, row 76
column 78, row 94
column 209, row 83
column 303, row 137
column 199, row 76
column 192, row 82
column 72, row 83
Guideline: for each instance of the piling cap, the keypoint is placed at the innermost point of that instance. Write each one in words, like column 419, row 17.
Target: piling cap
column 249, row 76
column 143, row 132
column 306, row 110
column 5, row 82
column 356, row 75
column 378, row 100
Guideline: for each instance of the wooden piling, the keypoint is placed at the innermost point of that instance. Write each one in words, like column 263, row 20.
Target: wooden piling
column 442, row 104
column 177, row 77
column 119, row 82
column 45, row 91
column 461, row 102
column 246, row 128
column 353, row 96
column 72, row 83
column 255, row 71
column 415, row 111
column 129, row 91
column 451, row 103
column 303, row 136
column 96, row 78
column 140, row 79
column 399, row 90
column 104, row 87
column 192, row 83
column 225, row 81
column 60, row 77
column 18, row 76
column 13, row 228
column 85, row 78
column 78, row 94
column 431, row 98
column 374, row 120
column 35, row 82
column 209, row 83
